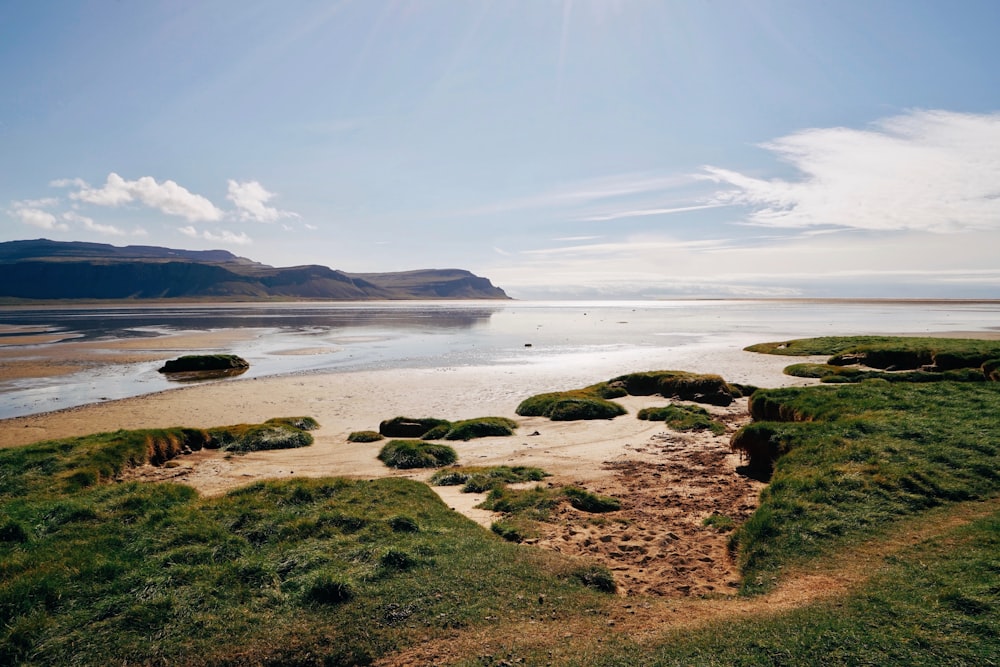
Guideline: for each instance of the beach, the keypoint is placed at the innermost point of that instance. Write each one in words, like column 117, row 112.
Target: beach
column 668, row 481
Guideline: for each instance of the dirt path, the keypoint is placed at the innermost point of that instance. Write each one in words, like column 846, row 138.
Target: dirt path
column 645, row 617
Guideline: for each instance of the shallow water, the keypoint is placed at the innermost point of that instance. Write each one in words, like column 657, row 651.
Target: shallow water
column 287, row 338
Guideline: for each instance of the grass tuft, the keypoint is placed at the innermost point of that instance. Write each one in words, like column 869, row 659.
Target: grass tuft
column 684, row 418
column 365, row 436
column 405, row 454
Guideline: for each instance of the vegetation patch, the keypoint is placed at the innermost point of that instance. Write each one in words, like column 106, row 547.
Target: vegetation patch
column 482, row 427
column 143, row 573
column 897, row 353
column 593, row 402
column 410, row 427
column 684, row 418
column 365, row 436
column 405, row 454
column 573, row 405
column 538, row 502
column 833, row 374
column 480, row 479
column 850, row 459
column 274, row 434
column 700, row 388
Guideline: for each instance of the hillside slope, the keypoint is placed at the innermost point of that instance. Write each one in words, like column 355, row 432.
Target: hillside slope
column 44, row 270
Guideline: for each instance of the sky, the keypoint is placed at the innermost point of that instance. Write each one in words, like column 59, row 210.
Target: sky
column 611, row 149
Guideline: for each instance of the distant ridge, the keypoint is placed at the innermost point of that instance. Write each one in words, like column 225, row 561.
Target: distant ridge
column 48, row 270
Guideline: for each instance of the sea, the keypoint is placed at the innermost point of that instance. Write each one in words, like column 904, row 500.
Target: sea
column 298, row 338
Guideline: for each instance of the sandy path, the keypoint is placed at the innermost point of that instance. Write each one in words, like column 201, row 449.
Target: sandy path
column 650, row 619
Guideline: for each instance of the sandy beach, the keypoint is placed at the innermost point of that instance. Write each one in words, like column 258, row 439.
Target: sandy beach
column 668, row 482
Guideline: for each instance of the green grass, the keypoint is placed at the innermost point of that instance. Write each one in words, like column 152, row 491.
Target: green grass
column 479, row 479
column 686, row 386
column 304, row 571
column 593, row 402
column 848, row 460
column 684, row 418
column 410, row 427
column 537, row 503
column 481, row 427
column 274, row 434
column 900, row 352
column 406, row 454
column 580, row 404
column 364, row 436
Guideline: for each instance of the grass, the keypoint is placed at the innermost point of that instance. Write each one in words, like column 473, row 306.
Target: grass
column 593, row 402
column 303, row 571
column 409, row 427
column 537, row 503
column 407, row 454
column 684, row 418
column 479, row 479
column 899, row 352
column 849, row 460
column 573, row 405
column 431, row 428
column 365, row 436
column 481, row 427
column 683, row 385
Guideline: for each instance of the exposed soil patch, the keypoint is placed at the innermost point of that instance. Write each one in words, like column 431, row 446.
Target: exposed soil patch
column 658, row 544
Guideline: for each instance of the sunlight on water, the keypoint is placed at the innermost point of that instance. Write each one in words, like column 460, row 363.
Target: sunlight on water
column 332, row 337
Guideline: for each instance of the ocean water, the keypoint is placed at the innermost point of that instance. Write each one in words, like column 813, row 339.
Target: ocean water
column 287, row 338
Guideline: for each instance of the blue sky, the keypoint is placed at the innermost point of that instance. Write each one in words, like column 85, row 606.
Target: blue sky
column 562, row 148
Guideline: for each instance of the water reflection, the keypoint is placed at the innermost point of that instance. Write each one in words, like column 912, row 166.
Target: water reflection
column 90, row 323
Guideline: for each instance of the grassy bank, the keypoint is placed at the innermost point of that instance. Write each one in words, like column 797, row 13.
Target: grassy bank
column 318, row 571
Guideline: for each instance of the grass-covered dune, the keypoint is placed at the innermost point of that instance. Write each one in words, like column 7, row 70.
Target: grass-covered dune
column 304, row 571
column 594, row 402
column 849, row 460
column 899, row 353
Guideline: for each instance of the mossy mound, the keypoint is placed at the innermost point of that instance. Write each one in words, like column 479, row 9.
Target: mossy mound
column 205, row 362
column 406, row 454
column 700, row 388
column 481, row 427
column 477, row 480
column 365, row 436
column 274, row 434
column 569, row 406
column 684, row 418
column 410, row 427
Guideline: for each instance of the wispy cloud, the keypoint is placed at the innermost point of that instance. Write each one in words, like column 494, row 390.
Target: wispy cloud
column 90, row 225
column 167, row 197
column 933, row 171
column 646, row 212
column 250, row 199
column 221, row 236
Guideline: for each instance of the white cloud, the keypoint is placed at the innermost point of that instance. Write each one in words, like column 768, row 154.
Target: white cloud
column 31, row 212
column 38, row 218
column 926, row 170
column 645, row 212
column 168, row 197
column 90, row 225
column 251, row 199
column 223, row 236
column 68, row 183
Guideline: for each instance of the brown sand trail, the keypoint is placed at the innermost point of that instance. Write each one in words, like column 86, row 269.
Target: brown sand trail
column 649, row 619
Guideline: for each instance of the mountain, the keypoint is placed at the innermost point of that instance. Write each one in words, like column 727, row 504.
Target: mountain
column 44, row 269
